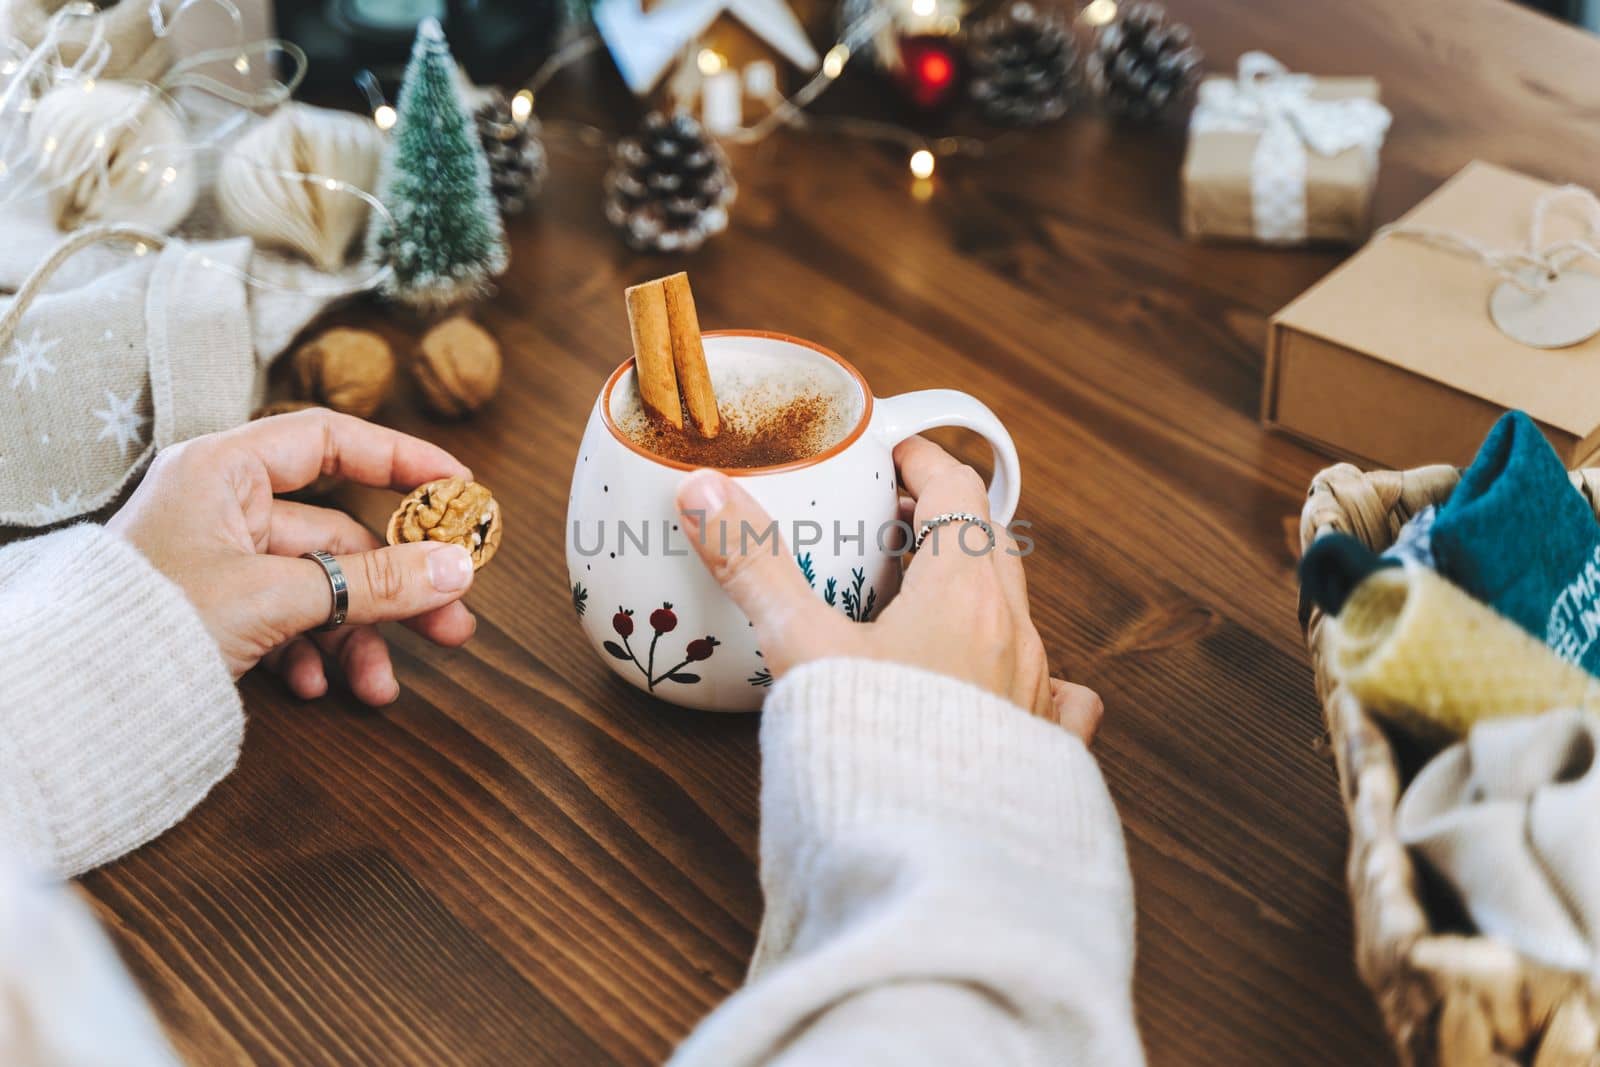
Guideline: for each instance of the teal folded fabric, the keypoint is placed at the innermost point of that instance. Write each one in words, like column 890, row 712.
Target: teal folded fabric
column 1518, row 536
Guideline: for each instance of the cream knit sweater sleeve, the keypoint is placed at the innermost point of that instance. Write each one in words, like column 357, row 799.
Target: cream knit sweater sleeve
column 945, row 884
column 117, row 713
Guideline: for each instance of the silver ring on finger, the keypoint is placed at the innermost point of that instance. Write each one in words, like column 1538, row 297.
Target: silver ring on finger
column 338, row 586
column 966, row 518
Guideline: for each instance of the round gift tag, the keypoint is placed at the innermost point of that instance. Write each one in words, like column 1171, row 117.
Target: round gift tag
column 1565, row 312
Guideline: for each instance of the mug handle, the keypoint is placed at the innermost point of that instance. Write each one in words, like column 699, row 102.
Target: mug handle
column 896, row 418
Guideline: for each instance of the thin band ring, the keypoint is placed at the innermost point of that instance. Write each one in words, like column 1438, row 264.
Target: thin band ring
column 965, row 517
column 337, row 586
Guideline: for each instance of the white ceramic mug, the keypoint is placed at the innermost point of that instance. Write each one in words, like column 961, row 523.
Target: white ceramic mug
column 648, row 605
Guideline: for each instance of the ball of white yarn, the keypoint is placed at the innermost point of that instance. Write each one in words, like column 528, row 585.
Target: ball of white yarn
column 260, row 198
column 112, row 151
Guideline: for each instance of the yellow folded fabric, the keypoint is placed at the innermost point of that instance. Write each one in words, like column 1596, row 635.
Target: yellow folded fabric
column 1428, row 657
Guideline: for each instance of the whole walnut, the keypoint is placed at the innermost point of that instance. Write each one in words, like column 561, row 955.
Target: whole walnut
column 457, row 367
column 450, row 509
column 348, row 370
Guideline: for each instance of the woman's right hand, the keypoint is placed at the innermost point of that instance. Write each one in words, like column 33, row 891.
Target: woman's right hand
column 207, row 516
column 957, row 614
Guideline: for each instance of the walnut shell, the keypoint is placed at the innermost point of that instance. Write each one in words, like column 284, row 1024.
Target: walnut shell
column 457, row 367
column 451, row 509
column 348, row 370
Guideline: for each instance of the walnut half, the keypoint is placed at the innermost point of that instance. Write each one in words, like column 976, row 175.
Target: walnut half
column 451, row 509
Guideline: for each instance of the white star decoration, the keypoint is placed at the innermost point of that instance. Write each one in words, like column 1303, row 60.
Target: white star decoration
column 122, row 423
column 27, row 360
column 57, row 508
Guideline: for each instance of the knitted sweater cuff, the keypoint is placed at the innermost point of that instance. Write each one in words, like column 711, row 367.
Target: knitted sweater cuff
column 853, row 742
column 118, row 712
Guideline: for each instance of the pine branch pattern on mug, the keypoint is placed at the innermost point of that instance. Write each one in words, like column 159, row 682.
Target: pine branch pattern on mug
column 855, row 608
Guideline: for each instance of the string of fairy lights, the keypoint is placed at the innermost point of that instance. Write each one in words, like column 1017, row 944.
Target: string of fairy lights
column 28, row 72
column 923, row 152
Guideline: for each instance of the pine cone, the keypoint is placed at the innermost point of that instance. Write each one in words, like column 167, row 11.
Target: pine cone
column 516, row 155
column 1023, row 66
column 669, row 186
column 1142, row 62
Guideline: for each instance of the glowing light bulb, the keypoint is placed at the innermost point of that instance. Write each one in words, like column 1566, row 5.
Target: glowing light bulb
column 140, row 249
column 833, row 63
column 922, row 163
column 143, row 166
column 88, row 85
column 169, row 175
column 330, row 183
column 100, row 139
column 522, row 106
column 242, row 64
column 8, row 67
column 385, row 117
column 1099, row 12
column 710, row 62
column 50, row 145
column 923, row 8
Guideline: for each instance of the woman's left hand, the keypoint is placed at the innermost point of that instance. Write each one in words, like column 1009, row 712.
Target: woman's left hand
column 206, row 517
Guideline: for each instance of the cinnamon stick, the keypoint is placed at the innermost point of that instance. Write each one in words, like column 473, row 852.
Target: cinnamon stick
column 652, row 350
column 689, row 357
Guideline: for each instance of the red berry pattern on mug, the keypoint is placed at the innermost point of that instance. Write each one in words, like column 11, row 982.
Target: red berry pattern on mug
column 663, row 621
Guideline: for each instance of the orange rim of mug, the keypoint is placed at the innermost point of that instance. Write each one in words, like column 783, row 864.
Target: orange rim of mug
column 739, row 472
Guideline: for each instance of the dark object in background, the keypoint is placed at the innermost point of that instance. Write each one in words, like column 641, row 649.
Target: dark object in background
column 1142, row 62
column 515, row 153
column 492, row 39
column 1568, row 10
column 1023, row 66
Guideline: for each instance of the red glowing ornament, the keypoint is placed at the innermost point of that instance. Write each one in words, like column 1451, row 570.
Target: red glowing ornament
column 929, row 69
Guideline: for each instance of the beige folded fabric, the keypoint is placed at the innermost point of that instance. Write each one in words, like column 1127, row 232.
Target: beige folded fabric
column 1430, row 658
column 1511, row 818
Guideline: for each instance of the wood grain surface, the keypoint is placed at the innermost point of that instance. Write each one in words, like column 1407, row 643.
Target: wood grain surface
column 526, row 861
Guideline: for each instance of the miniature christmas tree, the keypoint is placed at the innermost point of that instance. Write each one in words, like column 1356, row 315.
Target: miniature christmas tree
column 444, row 241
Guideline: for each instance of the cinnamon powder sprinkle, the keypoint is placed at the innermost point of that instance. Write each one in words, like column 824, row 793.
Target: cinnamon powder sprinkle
column 796, row 429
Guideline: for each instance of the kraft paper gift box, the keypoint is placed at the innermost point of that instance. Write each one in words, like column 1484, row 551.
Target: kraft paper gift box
column 1282, row 158
column 1392, row 359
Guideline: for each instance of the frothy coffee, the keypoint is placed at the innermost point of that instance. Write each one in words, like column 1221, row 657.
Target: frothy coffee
column 774, row 411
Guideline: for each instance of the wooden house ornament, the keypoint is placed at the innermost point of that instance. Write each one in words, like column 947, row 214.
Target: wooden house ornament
column 709, row 57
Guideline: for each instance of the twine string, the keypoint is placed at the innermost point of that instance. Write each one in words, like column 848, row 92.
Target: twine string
column 1532, row 269
column 139, row 236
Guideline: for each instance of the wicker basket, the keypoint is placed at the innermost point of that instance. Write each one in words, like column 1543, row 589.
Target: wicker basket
column 1446, row 998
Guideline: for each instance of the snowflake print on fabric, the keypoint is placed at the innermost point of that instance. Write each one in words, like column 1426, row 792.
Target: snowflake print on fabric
column 27, row 360
column 57, row 508
column 121, row 423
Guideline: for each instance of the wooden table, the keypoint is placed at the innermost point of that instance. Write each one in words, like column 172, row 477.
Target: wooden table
column 526, row 861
